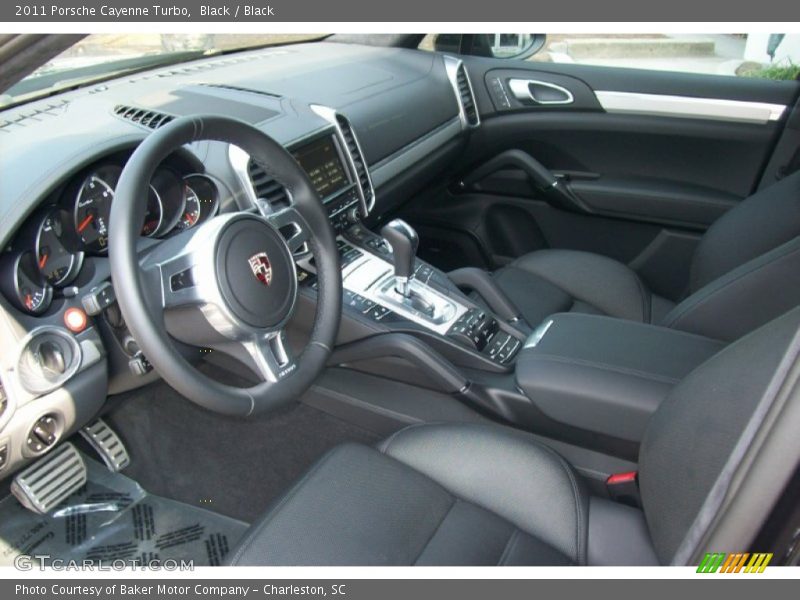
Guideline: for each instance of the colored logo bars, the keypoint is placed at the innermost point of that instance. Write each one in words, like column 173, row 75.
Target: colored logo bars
column 739, row 562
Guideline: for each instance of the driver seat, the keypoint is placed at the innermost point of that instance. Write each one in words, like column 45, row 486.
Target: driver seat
column 473, row 494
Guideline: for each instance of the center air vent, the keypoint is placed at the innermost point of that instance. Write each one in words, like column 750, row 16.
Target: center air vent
column 360, row 163
column 142, row 116
column 467, row 96
column 266, row 187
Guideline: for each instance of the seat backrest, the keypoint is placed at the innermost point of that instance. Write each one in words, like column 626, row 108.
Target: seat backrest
column 762, row 222
column 693, row 432
column 744, row 271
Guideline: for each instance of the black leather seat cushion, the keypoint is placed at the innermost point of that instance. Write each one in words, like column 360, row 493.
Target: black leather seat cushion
column 551, row 281
column 438, row 495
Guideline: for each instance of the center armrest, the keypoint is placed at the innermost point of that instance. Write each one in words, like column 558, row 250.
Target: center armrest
column 603, row 374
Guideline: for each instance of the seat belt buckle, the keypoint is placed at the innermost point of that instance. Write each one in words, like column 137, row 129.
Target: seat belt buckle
column 624, row 488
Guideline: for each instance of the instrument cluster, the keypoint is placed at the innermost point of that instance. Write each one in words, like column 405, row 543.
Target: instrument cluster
column 49, row 251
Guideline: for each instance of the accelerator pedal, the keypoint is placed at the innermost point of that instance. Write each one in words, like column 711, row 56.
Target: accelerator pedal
column 107, row 444
column 50, row 480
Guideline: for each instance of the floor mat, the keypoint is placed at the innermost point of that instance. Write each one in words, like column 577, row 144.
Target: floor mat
column 234, row 466
column 113, row 518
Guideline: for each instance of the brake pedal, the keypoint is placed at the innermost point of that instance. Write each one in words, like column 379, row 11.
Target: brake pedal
column 107, row 444
column 50, row 480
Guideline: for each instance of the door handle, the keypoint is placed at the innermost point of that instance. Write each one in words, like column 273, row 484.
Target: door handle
column 539, row 92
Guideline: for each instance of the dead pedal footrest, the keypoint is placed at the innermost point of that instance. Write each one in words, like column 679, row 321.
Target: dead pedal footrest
column 50, row 480
column 107, row 444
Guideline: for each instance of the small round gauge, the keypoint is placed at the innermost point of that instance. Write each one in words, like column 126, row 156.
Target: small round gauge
column 168, row 187
column 24, row 284
column 200, row 201
column 154, row 217
column 192, row 209
column 56, row 255
column 93, row 207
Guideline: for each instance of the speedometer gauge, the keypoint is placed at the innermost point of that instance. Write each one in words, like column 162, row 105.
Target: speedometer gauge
column 56, row 255
column 93, row 207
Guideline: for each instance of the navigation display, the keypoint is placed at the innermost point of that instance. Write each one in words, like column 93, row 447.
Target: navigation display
column 322, row 163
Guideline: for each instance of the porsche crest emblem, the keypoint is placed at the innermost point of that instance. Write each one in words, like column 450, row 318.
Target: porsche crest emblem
column 261, row 267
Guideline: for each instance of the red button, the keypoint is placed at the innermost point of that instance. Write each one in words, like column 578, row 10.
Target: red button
column 75, row 319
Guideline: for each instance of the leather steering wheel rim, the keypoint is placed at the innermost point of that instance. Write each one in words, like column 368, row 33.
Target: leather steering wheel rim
column 146, row 321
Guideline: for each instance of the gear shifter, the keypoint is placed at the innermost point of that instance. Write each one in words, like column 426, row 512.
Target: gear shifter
column 404, row 242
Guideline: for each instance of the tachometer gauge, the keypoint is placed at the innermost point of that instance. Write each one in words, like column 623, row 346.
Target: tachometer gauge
column 24, row 285
column 93, row 207
column 56, row 248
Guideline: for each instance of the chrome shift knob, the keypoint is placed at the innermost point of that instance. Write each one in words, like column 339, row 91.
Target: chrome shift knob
column 404, row 243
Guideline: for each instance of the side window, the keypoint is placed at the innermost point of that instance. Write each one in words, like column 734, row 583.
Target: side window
column 763, row 55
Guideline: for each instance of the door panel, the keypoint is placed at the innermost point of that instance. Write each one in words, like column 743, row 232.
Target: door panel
column 725, row 157
column 647, row 185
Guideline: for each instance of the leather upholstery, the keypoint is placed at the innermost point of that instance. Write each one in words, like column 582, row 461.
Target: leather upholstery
column 743, row 299
column 742, row 274
column 607, row 375
column 477, row 494
column 690, row 437
column 550, row 281
column 439, row 494
column 761, row 223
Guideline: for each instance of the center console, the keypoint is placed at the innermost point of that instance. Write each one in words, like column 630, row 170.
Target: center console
column 589, row 380
column 386, row 289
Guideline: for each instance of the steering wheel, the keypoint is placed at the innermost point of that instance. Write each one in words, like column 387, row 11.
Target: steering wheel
column 230, row 283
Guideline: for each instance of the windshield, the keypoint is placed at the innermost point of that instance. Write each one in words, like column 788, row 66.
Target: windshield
column 100, row 55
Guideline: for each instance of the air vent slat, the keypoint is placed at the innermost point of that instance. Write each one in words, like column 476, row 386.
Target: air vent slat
column 465, row 93
column 141, row 116
column 358, row 158
column 266, row 187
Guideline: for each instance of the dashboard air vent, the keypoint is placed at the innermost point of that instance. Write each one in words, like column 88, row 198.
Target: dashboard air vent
column 142, row 116
column 466, row 95
column 358, row 158
column 3, row 401
column 266, row 187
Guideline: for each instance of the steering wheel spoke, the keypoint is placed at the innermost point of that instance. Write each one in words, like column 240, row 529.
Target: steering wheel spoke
column 178, row 280
column 293, row 228
column 271, row 355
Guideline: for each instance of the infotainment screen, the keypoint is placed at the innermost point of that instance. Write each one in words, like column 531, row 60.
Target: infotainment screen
column 322, row 162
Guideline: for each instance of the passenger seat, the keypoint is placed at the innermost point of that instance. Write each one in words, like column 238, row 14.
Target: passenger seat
column 744, row 273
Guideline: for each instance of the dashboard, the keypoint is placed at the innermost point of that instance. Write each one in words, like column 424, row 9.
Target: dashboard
column 358, row 119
